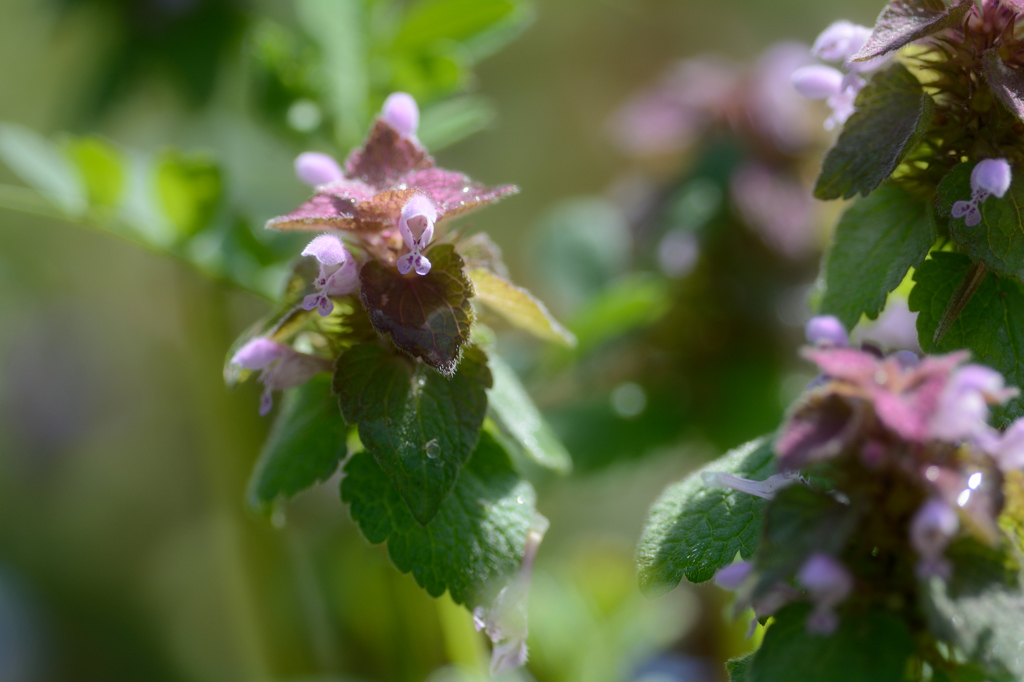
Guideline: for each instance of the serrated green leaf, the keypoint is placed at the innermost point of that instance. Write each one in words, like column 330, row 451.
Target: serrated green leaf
column 991, row 326
column 998, row 240
column 419, row 426
column 42, row 166
column 103, row 169
column 739, row 668
column 515, row 412
column 873, row 646
column 893, row 114
column 304, row 447
column 693, row 530
column 427, row 317
column 474, row 541
column 189, row 188
column 519, row 307
column 877, row 241
column 981, row 610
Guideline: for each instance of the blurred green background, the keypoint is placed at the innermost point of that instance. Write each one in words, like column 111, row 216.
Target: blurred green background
column 126, row 551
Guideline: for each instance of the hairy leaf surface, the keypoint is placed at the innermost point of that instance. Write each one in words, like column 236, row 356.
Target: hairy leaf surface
column 519, row 307
column 904, row 21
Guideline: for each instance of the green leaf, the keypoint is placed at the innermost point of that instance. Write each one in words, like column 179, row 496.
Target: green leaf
column 874, row 646
column 877, row 241
column 693, row 530
column 420, row 427
column 429, row 21
column 893, row 114
column 991, row 326
column 473, row 542
column 739, row 668
column 427, row 317
column 980, row 610
column 304, row 447
column 103, row 169
column 190, row 189
column 42, row 166
column 519, row 307
column 454, row 119
column 998, row 240
column 515, row 412
column 629, row 304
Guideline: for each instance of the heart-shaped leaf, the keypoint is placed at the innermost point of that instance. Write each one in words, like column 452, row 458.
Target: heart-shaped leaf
column 421, row 427
column 427, row 317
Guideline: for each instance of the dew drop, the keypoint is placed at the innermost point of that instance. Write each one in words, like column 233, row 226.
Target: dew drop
column 432, row 448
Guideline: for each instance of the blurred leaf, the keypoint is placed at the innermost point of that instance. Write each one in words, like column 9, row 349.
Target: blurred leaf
column 905, row 21
column 427, row 317
column 516, row 413
column 877, row 241
column 429, row 21
column 339, row 26
column 519, row 307
column 998, row 240
column 436, row 72
column 420, row 427
column 893, row 113
column 694, row 530
column 739, row 668
column 979, row 609
column 42, row 166
column 102, row 167
column 991, row 326
column 630, row 303
column 452, row 120
column 304, row 447
column 189, row 188
column 473, row 542
column 480, row 251
column 874, row 646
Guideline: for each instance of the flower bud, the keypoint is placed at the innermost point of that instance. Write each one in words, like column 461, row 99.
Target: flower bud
column 992, row 176
column 315, row 169
column 258, row 354
column 840, row 41
column 817, row 82
column 401, row 113
column 826, row 330
column 339, row 274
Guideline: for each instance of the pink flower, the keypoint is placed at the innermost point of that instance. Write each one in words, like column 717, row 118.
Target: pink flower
column 829, row 584
column 401, row 113
column 339, row 275
column 989, row 177
column 827, row 330
column 416, row 226
column 315, row 169
column 931, row 530
column 280, row 366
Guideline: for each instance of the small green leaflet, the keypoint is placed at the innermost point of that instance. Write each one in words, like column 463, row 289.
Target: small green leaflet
column 190, row 189
column 981, row 610
column 419, row 426
column 304, row 447
column 427, row 317
column 694, row 530
column 893, row 114
column 871, row 646
column 877, row 241
column 515, row 412
column 991, row 326
column 519, row 307
column 475, row 541
column 998, row 240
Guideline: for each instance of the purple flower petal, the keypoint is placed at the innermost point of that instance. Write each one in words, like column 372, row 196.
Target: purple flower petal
column 992, row 176
column 315, row 169
column 422, row 264
column 259, row 353
column 401, row 113
column 826, row 579
column 827, row 330
column 840, row 41
column 734, row 575
column 818, row 82
column 405, row 263
column 327, row 249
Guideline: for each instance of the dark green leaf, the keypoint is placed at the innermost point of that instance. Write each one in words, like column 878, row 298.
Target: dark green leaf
column 893, row 113
column 304, row 447
column 998, row 240
column 519, row 307
column 693, row 530
column 991, row 326
column 514, row 410
column 189, row 188
column 421, row 427
column 739, row 668
column 476, row 538
column 427, row 317
column 981, row 610
column 877, row 241
column 874, row 646
column 904, row 21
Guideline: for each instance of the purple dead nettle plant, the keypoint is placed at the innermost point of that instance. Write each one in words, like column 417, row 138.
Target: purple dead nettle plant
column 904, row 438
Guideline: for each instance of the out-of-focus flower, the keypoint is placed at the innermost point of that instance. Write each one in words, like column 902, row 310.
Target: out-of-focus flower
column 895, row 329
column 339, row 275
column 777, row 206
column 770, row 108
column 826, row 330
column 678, row 252
column 990, row 177
column 401, row 113
column 505, row 622
column 962, row 409
column 931, row 530
column 315, row 169
column 829, row 584
column 734, row 575
column 281, row 367
column 1009, row 452
column 417, row 228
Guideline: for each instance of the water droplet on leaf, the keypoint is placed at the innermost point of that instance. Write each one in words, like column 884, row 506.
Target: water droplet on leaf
column 432, row 448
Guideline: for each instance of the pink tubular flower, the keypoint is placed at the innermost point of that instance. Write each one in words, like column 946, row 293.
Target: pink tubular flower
column 826, row 330
column 401, row 113
column 417, row 228
column 1009, row 453
column 989, row 177
column 840, row 41
column 339, row 275
column 931, row 530
column 281, row 367
column 829, row 584
column 817, row 81
column 316, row 169
column 962, row 409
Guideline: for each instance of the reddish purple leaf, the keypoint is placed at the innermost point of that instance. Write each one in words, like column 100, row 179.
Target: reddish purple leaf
column 1006, row 83
column 386, row 156
column 905, row 21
